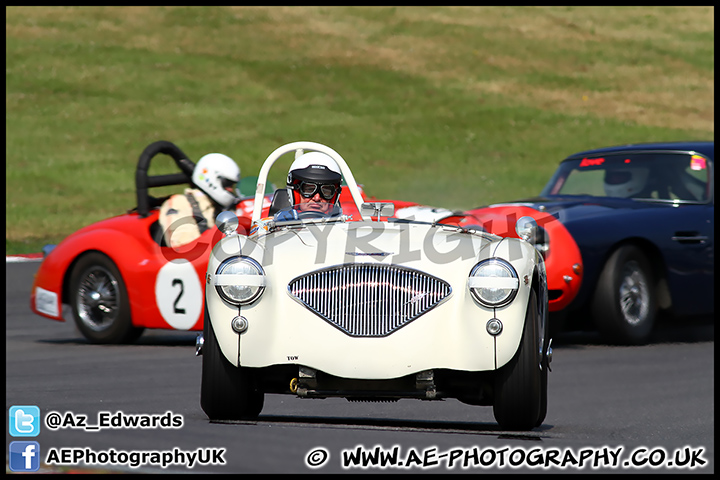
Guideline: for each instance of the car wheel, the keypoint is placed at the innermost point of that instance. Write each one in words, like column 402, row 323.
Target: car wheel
column 625, row 305
column 226, row 392
column 99, row 301
column 518, row 385
column 544, row 373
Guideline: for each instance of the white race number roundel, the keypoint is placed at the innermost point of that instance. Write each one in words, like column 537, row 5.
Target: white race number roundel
column 178, row 294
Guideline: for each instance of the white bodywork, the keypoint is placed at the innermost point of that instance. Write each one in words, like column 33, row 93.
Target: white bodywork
column 452, row 335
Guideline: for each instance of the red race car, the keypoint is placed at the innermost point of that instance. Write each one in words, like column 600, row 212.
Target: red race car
column 119, row 277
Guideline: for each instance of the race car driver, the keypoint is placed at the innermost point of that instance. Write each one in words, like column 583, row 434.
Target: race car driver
column 314, row 183
column 184, row 217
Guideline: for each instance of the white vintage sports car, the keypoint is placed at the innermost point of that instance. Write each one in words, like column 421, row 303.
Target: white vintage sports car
column 373, row 308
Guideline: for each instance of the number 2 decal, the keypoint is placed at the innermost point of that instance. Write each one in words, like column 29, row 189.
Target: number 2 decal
column 176, row 309
column 179, row 294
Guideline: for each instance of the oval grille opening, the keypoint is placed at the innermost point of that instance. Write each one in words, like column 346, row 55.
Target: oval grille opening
column 365, row 300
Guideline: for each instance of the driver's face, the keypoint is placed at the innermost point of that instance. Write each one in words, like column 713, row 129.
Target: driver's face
column 316, row 203
column 228, row 185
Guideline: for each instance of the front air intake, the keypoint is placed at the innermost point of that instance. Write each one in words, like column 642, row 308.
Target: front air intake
column 366, row 300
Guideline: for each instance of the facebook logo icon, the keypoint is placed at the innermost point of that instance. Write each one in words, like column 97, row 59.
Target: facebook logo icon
column 24, row 421
column 24, row 456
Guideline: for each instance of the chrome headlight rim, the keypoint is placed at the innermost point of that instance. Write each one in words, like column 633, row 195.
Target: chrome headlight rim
column 248, row 261
column 495, row 261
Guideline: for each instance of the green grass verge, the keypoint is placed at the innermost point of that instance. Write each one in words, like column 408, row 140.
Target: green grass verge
column 449, row 106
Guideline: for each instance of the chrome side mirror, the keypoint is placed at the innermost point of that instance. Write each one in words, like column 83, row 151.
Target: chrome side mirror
column 227, row 222
column 378, row 209
column 526, row 228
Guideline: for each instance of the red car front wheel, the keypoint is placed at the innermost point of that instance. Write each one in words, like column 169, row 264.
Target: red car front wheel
column 99, row 301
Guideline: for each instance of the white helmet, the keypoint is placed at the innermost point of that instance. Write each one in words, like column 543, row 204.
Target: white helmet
column 315, row 168
column 214, row 173
column 625, row 182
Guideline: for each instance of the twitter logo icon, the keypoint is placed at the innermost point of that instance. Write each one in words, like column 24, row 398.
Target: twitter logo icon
column 24, row 421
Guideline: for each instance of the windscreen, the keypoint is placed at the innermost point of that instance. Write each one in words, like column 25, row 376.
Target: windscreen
column 677, row 177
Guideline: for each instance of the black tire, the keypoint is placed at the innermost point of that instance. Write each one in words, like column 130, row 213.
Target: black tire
column 519, row 385
column 99, row 301
column 624, row 306
column 559, row 322
column 544, row 373
column 227, row 392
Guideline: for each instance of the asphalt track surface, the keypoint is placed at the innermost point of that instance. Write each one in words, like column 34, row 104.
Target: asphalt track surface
column 611, row 409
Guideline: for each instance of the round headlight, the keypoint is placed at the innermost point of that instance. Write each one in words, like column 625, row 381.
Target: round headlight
column 240, row 280
column 493, row 282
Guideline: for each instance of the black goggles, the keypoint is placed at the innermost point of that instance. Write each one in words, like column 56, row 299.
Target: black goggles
column 309, row 189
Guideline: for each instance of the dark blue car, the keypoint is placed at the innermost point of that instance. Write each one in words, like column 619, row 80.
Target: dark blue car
column 642, row 216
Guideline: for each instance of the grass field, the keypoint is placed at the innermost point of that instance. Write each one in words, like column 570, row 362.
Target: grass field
column 449, row 106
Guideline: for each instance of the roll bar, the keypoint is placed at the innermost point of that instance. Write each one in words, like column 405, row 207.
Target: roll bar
column 298, row 148
column 143, row 181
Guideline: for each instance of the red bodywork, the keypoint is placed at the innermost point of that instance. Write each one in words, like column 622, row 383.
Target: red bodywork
column 127, row 241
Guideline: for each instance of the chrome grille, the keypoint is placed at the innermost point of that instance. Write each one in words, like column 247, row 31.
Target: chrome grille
column 366, row 300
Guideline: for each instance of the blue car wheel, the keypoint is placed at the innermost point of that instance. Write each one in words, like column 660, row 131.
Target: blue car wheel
column 624, row 306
